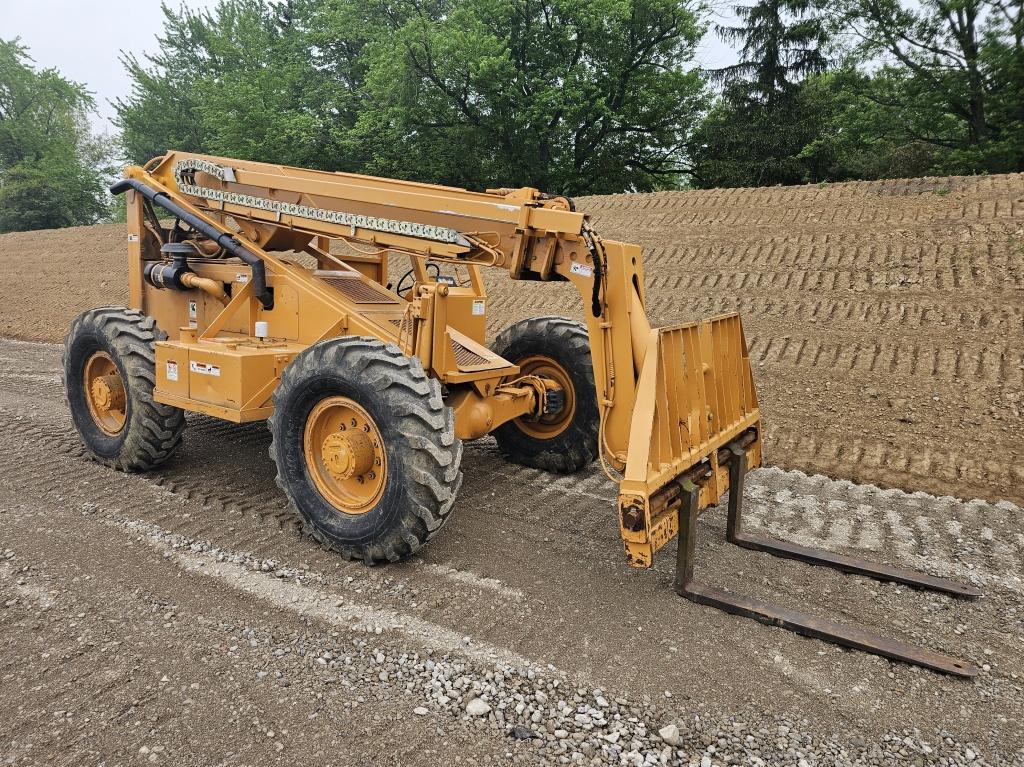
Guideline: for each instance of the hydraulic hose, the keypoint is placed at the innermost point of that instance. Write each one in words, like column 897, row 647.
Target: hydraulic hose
column 227, row 241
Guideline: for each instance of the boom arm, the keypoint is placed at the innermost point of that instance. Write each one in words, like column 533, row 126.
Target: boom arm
column 670, row 398
column 530, row 235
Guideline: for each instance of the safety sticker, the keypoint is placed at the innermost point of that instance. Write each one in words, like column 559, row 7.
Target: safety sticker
column 241, row 278
column 582, row 269
column 479, row 306
column 204, row 368
column 172, row 371
column 192, row 310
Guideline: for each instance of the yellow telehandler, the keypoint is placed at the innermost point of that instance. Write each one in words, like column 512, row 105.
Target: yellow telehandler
column 258, row 291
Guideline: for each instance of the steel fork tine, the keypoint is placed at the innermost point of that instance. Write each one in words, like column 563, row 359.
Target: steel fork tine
column 802, row 623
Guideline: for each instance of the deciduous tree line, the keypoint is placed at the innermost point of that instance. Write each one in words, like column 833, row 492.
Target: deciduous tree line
column 570, row 96
column 52, row 168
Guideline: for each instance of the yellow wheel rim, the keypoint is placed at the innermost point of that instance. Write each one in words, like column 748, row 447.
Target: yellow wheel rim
column 553, row 424
column 105, row 393
column 345, row 455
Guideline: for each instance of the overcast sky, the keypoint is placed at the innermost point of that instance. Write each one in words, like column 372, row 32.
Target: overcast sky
column 83, row 39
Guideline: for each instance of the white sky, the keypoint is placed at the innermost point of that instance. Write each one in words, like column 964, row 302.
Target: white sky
column 83, row 39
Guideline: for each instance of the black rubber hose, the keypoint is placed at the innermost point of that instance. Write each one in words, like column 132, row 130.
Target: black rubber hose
column 225, row 240
column 595, row 298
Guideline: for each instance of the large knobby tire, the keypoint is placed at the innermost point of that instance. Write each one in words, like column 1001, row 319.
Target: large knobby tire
column 557, row 348
column 365, row 448
column 109, row 374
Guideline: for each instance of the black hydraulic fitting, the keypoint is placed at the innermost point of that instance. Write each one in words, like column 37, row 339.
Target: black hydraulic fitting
column 554, row 401
column 161, row 274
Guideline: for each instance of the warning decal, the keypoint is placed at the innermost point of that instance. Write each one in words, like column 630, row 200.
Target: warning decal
column 204, row 368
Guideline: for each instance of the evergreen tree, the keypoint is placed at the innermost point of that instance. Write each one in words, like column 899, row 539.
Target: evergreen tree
column 781, row 42
column 755, row 133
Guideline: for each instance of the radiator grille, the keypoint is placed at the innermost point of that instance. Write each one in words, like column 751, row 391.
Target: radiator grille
column 360, row 291
column 465, row 358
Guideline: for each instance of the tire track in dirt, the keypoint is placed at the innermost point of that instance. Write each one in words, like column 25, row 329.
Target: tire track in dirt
column 796, row 512
column 547, row 549
column 997, row 364
column 226, row 447
column 921, row 319
column 815, row 510
column 896, row 192
column 243, row 515
column 947, row 470
column 917, row 305
column 849, row 216
column 834, row 250
column 837, row 280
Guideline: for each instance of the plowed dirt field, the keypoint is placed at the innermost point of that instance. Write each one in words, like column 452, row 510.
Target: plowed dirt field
column 885, row 319
column 177, row 618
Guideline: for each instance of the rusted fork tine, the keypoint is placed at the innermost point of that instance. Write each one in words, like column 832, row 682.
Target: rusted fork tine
column 809, row 625
column 830, row 631
column 820, row 557
column 856, row 566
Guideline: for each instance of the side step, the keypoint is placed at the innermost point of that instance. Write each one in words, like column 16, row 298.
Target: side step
column 809, row 625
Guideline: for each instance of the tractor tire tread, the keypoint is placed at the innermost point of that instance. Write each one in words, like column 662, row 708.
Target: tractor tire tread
column 428, row 429
column 154, row 430
column 563, row 456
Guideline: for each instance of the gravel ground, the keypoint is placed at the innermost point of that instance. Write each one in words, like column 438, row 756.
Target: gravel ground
column 176, row 618
column 349, row 661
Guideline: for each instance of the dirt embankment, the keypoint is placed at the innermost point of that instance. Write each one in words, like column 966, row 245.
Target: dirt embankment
column 885, row 319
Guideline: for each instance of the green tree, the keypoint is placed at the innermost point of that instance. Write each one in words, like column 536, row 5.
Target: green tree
column 855, row 137
column 954, row 75
column 241, row 79
column 52, row 169
column 571, row 96
column 568, row 95
column 756, row 131
column 781, row 42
